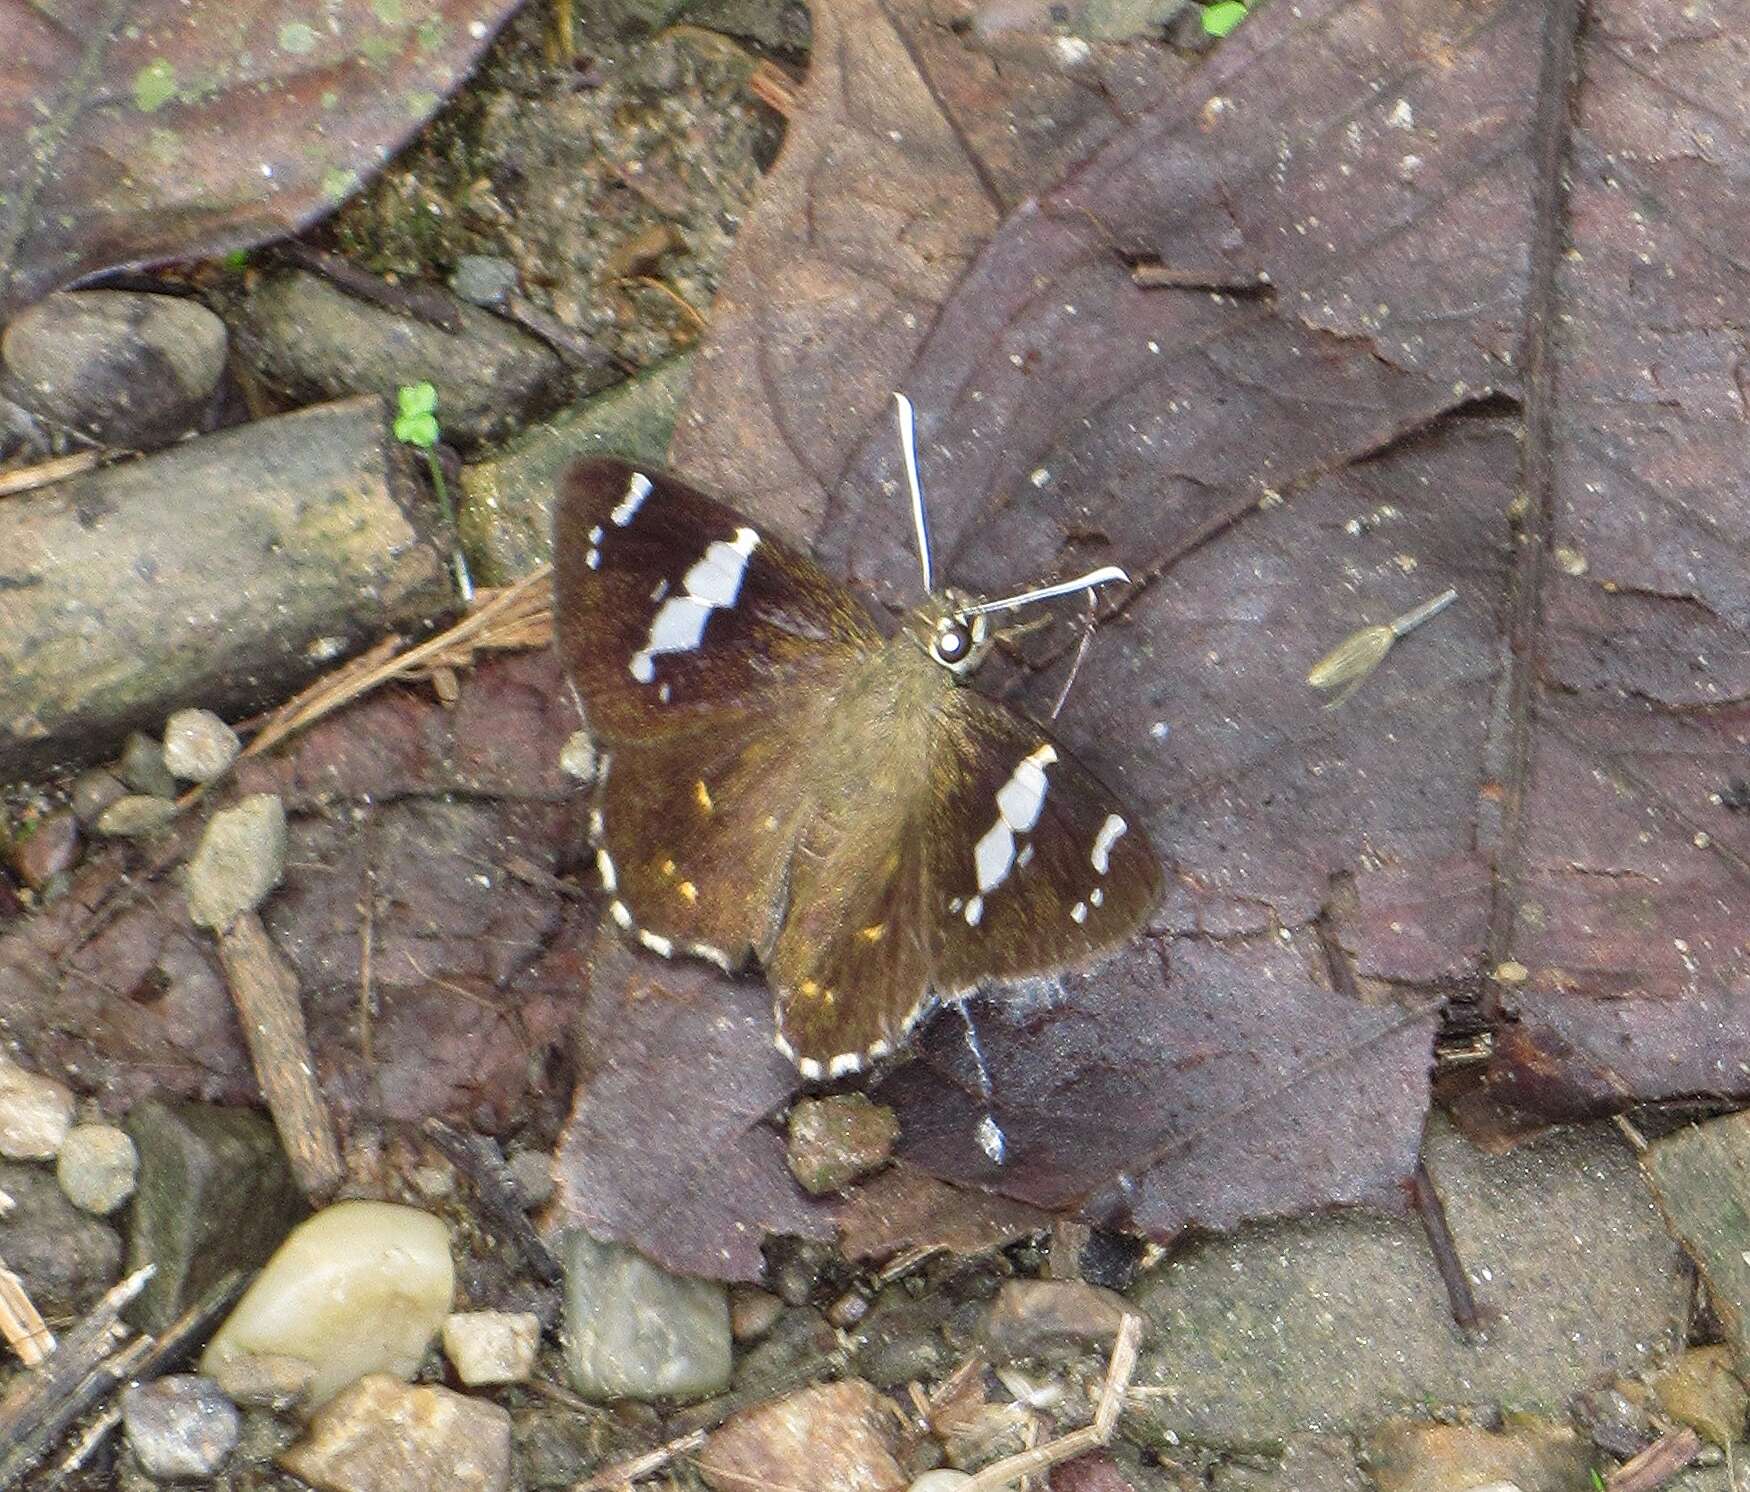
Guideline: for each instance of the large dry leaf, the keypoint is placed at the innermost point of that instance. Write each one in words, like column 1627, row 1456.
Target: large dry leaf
column 1479, row 333
column 145, row 130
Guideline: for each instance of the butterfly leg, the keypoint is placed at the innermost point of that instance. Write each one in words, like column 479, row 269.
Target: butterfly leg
column 991, row 1139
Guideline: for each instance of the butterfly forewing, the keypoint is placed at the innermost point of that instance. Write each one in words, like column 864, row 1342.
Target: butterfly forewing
column 679, row 614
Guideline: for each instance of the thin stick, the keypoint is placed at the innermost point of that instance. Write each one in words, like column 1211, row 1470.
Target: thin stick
column 1432, row 1211
column 627, row 1472
column 920, row 518
column 367, row 939
column 1657, row 1464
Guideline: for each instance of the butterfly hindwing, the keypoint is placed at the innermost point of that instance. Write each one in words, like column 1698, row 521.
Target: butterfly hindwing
column 679, row 615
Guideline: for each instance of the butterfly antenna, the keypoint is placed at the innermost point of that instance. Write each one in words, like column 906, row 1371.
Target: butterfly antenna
column 1076, row 666
column 1105, row 575
column 908, row 447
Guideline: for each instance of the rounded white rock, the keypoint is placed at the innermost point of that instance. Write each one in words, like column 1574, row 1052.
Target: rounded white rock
column 361, row 1287
column 97, row 1167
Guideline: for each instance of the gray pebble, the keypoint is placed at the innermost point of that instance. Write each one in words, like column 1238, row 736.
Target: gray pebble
column 94, row 791
column 124, row 368
column 135, row 817
column 97, row 1167
column 45, row 848
column 180, row 1426
column 198, row 746
column 533, row 1170
column 483, row 279
column 239, row 862
column 635, row 1331
column 142, row 767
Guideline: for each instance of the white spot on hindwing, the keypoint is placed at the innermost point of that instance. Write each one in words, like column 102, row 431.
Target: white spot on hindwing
column 1020, row 801
column 636, row 491
column 656, row 943
column 1101, row 854
column 604, row 862
column 710, row 585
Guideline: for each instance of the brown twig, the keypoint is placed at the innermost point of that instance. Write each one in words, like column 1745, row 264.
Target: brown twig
column 421, row 302
column 1432, row 1211
column 265, row 991
column 652, row 283
column 498, row 1195
column 1657, row 1464
column 575, row 350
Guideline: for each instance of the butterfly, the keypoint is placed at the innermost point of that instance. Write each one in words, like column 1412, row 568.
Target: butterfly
column 782, row 780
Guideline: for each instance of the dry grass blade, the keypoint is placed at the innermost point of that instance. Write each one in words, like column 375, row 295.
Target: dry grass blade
column 1119, row 1367
column 24, row 1329
column 29, row 478
column 625, row 1473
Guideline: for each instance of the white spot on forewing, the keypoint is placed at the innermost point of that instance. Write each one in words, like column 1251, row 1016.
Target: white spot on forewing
column 595, row 534
column 994, row 855
column 712, row 955
column 621, row 913
column 636, row 491
column 604, row 862
column 1079, row 911
column 711, row 585
column 593, row 559
column 974, row 911
column 1021, row 798
column 1020, row 801
column 1097, row 897
column 656, row 943
column 1101, row 854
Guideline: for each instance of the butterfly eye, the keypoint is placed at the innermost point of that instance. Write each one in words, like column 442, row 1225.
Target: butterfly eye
column 951, row 643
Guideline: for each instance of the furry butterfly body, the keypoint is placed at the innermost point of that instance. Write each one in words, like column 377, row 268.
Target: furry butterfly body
column 783, row 781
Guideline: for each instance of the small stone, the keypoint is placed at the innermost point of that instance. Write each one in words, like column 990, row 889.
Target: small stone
column 752, row 1312
column 66, row 1258
column 198, row 746
column 97, row 1167
column 943, row 1480
column 1616, row 1418
column 831, row 1437
column 135, row 817
column 1051, row 1318
column 382, row 1435
column 215, row 1194
column 239, row 862
column 1701, row 1390
column 94, row 791
column 491, row 1347
column 312, row 340
column 180, row 1426
column 1534, row 1455
column 634, row 1331
column 269, row 1380
column 533, row 1170
column 361, row 1287
column 35, row 1114
column 836, row 1140
column 483, row 279
column 125, row 368
column 142, row 767
column 45, row 848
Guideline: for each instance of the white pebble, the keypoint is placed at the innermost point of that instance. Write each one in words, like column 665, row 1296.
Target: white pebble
column 198, row 746
column 490, row 1347
column 361, row 1287
column 35, row 1114
column 941, row 1480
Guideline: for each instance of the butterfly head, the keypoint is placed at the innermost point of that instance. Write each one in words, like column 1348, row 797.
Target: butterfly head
column 954, row 636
